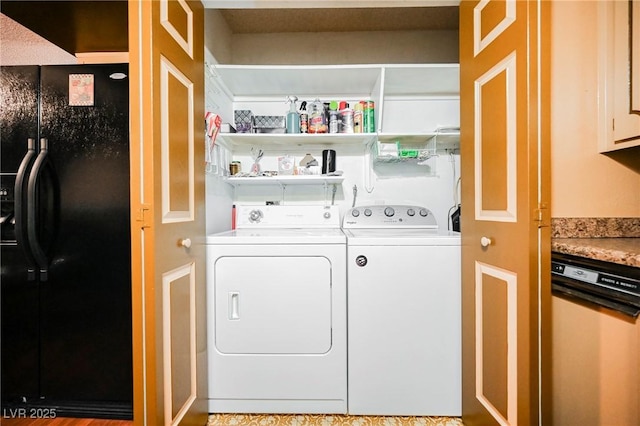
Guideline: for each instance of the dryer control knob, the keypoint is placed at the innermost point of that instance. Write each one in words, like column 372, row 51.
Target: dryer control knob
column 424, row 212
column 389, row 212
column 327, row 215
column 355, row 213
column 367, row 212
column 255, row 215
column 411, row 212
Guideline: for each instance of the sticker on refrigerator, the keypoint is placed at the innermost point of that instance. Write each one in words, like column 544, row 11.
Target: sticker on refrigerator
column 81, row 89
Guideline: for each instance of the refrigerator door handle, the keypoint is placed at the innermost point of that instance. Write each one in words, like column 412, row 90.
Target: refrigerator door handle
column 20, row 207
column 39, row 165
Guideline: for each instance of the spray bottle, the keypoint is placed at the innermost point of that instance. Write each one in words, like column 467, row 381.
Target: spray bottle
column 293, row 119
column 304, row 118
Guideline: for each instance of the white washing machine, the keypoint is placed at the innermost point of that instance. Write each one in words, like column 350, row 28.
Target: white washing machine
column 276, row 305
column 404, row 304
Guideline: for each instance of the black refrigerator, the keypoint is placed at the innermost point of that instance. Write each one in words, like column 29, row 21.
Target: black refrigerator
column 65, row 339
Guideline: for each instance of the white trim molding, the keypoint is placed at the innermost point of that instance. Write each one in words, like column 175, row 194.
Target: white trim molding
column 167, row 69
column 507, row 66
column 511, row 281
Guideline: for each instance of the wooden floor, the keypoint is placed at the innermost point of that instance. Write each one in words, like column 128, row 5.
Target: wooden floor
column 61, row 421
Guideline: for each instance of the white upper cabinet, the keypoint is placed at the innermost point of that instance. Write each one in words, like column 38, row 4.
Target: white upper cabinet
column 619, row 74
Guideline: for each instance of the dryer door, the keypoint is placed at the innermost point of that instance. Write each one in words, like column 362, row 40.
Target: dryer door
column 273, row 305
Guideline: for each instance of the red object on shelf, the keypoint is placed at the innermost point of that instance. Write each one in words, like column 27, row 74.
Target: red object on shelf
column 233, row 217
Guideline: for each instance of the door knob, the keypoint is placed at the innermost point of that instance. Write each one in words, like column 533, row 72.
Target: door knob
column 186, row 242
column 485, row 241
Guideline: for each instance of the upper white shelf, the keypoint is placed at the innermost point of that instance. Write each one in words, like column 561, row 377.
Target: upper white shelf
column 443, row 139
column 266, row 80
column 422, row 80
column 283, row 140
column 347, row 80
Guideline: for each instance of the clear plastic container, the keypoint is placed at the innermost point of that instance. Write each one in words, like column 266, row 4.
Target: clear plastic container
column 317, row 118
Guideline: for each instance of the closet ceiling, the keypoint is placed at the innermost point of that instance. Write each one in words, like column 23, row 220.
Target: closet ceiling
column 253, row 21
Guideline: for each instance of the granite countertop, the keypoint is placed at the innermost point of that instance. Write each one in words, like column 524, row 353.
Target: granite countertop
column 615, row 240
column 624, row 251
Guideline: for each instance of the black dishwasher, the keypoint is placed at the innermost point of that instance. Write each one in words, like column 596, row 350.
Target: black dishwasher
column 607, row 284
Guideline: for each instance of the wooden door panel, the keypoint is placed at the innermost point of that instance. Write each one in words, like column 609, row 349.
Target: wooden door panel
column 495, row 141
column 167, row 103
column 177, row 106
column 179, row 341
column 177, row 18
column 496, row 341
column 505, row 268
column 490, row 20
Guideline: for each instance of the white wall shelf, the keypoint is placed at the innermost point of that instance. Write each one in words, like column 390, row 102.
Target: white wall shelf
column 416, row 105
column 407, row 97
column 449, row 139
column 285, row 180
column 279, row 140
column 259, row 81
column 255, row 81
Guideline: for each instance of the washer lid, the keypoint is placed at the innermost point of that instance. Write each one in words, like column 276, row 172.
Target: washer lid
column 401, row 237
column 279, row 236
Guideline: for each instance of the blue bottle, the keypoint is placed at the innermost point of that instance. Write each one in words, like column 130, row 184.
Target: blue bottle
column 293, row 118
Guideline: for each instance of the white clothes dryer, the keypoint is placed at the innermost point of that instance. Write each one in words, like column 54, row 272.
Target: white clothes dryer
column 404, row 304
column 277, row 312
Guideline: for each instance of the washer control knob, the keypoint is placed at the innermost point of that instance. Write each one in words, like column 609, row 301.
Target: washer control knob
column 255, row 216
column 389, row 211
column 327, row 215
column 424, row 212
column 355, row 213
column 367, row 212
column 411, row 212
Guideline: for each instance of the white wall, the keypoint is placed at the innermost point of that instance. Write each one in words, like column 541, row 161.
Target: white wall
column 389, row 184
column 346, row 48
column 585, row 183
column 217, row 37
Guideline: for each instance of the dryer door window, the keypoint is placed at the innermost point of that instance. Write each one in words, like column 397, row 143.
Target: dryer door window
column 273, row 305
